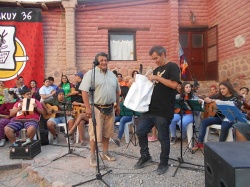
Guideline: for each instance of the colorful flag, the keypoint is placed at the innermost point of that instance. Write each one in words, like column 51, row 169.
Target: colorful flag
column 183, row 63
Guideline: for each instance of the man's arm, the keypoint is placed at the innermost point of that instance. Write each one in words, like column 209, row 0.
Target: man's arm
column 14, row 110
column 85, row 98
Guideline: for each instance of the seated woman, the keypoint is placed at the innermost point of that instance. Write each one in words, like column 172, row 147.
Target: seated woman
column 34, row 90
column 186, row 93
column 226, row 93
column 5, row 114
column 81, row 120
column 123, row 119
column 67, row 87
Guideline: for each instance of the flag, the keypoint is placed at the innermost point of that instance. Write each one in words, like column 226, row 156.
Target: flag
column 183, row 63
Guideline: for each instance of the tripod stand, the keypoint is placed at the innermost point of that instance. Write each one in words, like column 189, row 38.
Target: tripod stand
column 134, row 134
column 127, row 112
column 183, row 106
column 70, row 151
column 92, row 90
column 194, row 106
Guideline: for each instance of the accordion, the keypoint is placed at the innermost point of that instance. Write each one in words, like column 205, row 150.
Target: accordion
column 28, row 106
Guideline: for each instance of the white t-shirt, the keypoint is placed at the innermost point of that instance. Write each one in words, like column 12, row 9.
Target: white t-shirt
column 46, row 91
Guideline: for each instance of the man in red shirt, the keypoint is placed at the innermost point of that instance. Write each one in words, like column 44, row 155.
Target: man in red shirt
column 22, row 120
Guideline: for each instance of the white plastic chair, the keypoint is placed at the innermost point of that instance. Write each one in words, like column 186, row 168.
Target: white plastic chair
column 126, row 129
column 218, row 127
column 50, row 136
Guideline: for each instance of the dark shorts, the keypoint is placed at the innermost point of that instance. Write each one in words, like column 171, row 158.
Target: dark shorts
column 244, row 129
column 18, row 125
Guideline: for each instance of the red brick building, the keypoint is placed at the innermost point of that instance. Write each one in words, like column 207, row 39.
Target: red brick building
column 214, row 35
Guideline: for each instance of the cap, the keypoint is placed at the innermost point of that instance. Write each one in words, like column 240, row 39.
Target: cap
column 60, row 91
column 79, row 74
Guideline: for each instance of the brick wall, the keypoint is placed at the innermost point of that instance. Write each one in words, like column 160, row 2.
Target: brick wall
column 232, row 18
column 54, row 43
column 199, row 9
column 151, row 18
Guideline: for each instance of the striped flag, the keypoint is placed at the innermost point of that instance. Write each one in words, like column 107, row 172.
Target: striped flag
column 183, row 63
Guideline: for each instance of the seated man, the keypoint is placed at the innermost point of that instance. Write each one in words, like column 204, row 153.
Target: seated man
column 27, row 121
column 242, row 130
column 59, row 117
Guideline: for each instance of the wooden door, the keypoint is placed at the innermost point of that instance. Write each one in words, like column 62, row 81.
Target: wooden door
column 193, row 43
column 200, row 47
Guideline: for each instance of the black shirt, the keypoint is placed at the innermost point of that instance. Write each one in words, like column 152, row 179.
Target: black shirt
column 163, row 97
column 77, row 97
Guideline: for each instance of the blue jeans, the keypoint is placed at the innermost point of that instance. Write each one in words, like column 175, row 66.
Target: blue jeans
column 123, row 121
column 225, row 126
column 186, row 119
column 146, row 123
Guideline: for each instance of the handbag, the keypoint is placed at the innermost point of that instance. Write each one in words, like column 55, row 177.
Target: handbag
column 139, row 94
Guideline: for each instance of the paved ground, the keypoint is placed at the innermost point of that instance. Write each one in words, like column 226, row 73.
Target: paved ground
column 71, row 169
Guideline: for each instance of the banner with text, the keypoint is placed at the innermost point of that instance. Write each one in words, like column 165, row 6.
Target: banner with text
column 21, row 45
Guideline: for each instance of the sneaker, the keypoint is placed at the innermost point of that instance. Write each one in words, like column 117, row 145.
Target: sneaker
column 152, row 139
column 55, row 140
column 92, row 161
column 142, row 162
column 107, row 156
column 197, row 146
column 2, row 142
column 162, row 168
column 115, row 141
column 173, row 140
column 28, row 141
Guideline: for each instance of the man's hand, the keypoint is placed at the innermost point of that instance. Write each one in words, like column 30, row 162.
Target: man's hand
column 152, row 77
column 117, row 110
column 53, row 92
column 88, row 112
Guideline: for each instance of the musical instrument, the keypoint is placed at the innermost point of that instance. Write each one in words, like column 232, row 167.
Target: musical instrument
column 210, row 110
column 54, row 110
column 78, row 110
column 28, row 106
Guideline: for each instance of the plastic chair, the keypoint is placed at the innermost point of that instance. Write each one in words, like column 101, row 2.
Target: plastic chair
column 126, row 129
column 50, row 136
column 218, row 127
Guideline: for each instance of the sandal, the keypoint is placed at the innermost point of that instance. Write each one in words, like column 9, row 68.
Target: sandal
column 83, row 143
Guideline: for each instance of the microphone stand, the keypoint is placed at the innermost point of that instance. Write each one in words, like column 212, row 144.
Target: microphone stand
column 92, row 91
column 70, row 151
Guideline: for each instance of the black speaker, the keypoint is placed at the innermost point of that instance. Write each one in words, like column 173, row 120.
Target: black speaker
column 227, row 164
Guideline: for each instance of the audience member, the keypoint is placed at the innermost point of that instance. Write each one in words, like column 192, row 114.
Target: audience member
column 46, row 92
column 66, row 86
column 51, row 83
column 5, row 114
column 34, row 90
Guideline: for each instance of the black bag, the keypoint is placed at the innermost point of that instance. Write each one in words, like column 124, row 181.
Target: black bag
column 106, row 110
column 44, row 137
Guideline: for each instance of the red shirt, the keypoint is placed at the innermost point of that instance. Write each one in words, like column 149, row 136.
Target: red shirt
column 35, row 115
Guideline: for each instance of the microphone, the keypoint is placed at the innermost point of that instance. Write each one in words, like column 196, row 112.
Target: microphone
column 96, row 62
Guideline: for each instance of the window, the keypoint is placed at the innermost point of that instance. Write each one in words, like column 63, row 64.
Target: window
column 122, row 45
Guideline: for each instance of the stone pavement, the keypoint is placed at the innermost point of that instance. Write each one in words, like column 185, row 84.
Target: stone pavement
column 71, row 169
